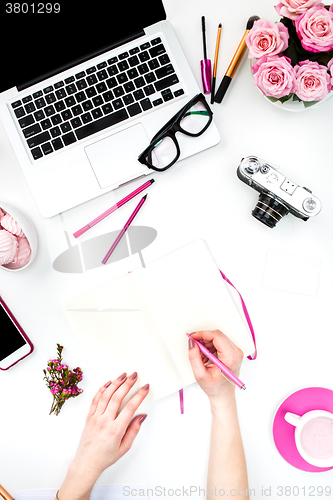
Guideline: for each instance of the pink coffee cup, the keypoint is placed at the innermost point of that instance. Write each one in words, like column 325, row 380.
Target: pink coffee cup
column 314, row 436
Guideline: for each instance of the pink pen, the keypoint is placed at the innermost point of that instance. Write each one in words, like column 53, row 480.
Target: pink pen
column 113, row 208
column 228, row 373
column 124, row 229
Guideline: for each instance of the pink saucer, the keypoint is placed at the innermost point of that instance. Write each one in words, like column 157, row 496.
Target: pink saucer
column 300, row 402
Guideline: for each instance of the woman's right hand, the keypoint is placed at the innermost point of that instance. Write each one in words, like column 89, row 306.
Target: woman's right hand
column 208, row 375
column 227, row 465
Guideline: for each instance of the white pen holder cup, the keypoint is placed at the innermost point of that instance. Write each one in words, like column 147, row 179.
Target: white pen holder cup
column 314, row 436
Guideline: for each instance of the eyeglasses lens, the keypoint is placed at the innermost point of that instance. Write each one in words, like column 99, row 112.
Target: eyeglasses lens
column 195, row 119
column 163, row 153
column 193, row 122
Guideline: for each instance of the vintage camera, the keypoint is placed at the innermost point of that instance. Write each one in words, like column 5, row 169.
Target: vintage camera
column 278, row 194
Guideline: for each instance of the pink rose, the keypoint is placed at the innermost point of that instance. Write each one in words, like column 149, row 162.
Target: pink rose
column 315, row 29
column 313, row 82
column 295, row 8
column 330, row 67
column 266, row 38
column 274, row 76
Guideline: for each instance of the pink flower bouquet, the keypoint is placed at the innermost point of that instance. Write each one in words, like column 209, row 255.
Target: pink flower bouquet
column 62, row 382
column 293, row 59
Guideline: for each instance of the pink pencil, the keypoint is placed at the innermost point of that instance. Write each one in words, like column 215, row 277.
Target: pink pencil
column 113, row 208
column 228, row 373
column 124, row 229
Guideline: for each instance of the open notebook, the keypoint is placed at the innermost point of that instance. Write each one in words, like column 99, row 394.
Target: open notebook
column 139, row 322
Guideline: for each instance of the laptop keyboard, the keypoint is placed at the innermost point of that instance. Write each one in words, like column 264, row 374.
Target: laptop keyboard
column 101, row 96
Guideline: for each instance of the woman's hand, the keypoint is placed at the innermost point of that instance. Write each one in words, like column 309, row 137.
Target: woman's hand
column 227, row 465
column 107, row 435
column 209, row 376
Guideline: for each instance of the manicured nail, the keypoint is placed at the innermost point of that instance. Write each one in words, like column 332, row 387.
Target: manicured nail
column 145, row 387
column 191, row 343
column 107, row 384
column 142, row 419
column 122, row 376
column 133, row 376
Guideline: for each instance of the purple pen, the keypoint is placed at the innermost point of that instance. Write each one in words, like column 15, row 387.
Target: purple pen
column 113, row 208
column 228, row 373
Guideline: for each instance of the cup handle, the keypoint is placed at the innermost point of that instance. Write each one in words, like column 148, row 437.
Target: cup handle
column 292, row 419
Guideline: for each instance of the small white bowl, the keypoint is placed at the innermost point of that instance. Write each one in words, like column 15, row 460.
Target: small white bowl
column 29, row 231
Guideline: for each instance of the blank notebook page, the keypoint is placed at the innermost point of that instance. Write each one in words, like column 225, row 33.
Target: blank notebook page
column 118, row 334
column 185, row 292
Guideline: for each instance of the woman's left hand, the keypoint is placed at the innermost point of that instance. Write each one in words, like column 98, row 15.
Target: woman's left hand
column 107, row 435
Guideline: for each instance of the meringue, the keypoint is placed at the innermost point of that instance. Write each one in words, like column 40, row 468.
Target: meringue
column 8, row 247
column 11, row 225
column 23, row 252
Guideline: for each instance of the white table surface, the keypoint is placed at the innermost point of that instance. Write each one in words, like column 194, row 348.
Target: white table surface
column 201, row 197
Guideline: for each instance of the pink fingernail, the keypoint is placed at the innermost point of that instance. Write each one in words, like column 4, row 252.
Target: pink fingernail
column 107, row 384
column 145, row 387
column 133, row 376
column 122, row 376
column 142, row 419
column 191, row 343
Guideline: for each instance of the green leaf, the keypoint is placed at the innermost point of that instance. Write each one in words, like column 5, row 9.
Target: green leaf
column 285, row 98
column 282, row 99
column 292, row 52
column 273, row 99
column 307, row 104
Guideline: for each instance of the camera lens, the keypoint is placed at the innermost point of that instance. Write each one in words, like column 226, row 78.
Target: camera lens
column 269, row 210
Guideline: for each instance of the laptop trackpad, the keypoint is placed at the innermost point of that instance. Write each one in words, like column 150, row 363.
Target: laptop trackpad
column 115, row 158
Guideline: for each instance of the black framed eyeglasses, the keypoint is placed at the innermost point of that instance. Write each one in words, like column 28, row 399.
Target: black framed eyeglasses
column 193, row 119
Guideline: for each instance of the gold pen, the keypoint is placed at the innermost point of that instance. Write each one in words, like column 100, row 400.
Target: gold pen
column 4, row 494
column 219, row 29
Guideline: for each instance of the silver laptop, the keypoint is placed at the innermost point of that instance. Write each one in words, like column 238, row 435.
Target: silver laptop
column 84, row 91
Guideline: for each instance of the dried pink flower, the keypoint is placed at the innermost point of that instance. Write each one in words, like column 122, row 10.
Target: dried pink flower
column 61, row 381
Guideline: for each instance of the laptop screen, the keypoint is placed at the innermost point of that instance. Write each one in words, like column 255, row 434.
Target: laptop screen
column 38, row 38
